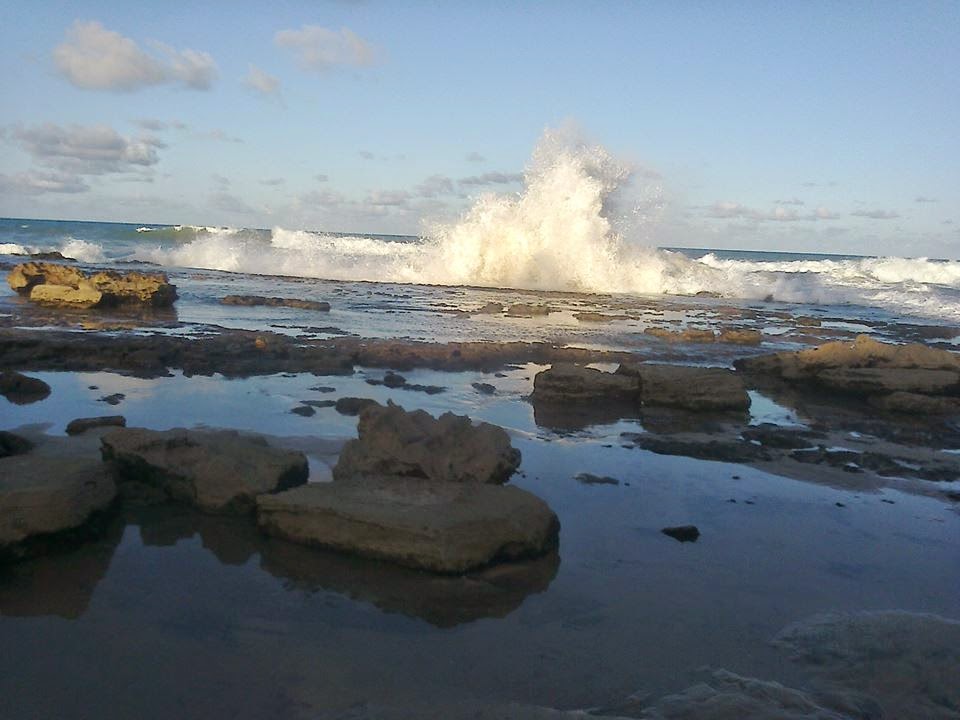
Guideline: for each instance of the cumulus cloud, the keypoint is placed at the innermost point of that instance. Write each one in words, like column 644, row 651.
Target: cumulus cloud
column 492, row 178
column 435, row 185
column 94, row 58
column 87, row 150
column 319, row 49
column 38, row 182
column 262, row 82
column 732, row 210
column 393, row 198
column 475, row 157
column 876, row 214
column 157, row 125
column 791, row 201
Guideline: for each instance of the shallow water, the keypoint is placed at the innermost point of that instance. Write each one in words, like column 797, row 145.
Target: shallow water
column 174, row 614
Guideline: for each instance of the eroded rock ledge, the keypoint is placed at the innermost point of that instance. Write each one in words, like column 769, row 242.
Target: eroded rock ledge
column 64, row 285
column 241, row 353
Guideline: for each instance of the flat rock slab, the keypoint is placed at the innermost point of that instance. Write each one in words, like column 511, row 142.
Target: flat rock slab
column 41, row 496
column 564, row 383
column 81, row 425
column 436, row 526
column 22, row 389
column 690, row 388
column 215, row 470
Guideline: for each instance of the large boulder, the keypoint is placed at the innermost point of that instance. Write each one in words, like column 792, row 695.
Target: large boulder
column 436, row 526
column 689, row 388
column 45, row 496
column 55, row 284
column 215, row 470
column 394, row 442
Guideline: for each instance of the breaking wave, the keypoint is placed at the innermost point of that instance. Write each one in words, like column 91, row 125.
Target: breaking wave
column 583, row 222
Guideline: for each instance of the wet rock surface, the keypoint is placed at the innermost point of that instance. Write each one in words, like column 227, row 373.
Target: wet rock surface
column 22, row 389
column 51, row 283
column 910, row 378
column 691, row 388
column 13, row 444
column 261, row 301
column 394, row 442
column 682, row 533
column 49, row 497
column 570, row 384
column 214, row 470
column 444, row 527
column 81, row 425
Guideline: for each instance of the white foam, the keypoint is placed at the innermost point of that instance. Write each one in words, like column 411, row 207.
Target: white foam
column 14, row 249
column 577, row 225
column 82, row 250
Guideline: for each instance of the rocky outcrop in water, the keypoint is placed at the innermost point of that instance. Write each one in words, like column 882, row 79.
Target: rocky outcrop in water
column 214, row 470
column 688, row 388
column 22, row 389
column 260, row 300
column 445, row 527
column 901, row 378
column 394, row 442
column 62, row 285
column 81, row 425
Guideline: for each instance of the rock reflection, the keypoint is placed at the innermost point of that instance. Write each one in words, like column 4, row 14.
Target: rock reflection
column 60, row 584
column 443, row 601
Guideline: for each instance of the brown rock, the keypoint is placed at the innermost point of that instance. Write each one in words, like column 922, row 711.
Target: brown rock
column 255, row 300
column 216, row 470
column 436, row 526
column 740, row 336
column 690, row 388
column 522, row 310
column 353, row 405
column 42, row 496
column 869, row 381
column 689, row 335
column 491, row 308
column 81, row 425
column 563, row 383
column 22, row 389
column 13, row 444
column 64, row 285
column 864, row 352
column 25, row 276
column 596, row 317
column 914, row 404
column 394, row 442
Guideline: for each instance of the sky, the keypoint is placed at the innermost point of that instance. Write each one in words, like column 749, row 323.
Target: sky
column 813, row 126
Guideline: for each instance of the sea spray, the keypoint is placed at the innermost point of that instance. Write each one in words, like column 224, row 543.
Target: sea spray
column 584, row 221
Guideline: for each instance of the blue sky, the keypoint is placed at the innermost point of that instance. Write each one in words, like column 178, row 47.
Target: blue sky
column 791, row 126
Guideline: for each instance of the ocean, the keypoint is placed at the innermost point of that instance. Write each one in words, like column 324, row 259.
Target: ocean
column 857, row 286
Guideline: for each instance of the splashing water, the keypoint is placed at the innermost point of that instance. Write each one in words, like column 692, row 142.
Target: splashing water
column 583, row 222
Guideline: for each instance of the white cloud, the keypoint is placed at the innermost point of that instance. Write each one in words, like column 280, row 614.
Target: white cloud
column 94, row 58
column 435, row 185
column 87, row 150
column 319, row 49
column 366, row 154
column 392, row 198
column 732, row 210
column 924, row 199
column 262, row 82
column 272, row 182
column 321, row 177
column 791, row 201
column 876, row 214
column 492, row 178
column 38, row 182
column 475, row 157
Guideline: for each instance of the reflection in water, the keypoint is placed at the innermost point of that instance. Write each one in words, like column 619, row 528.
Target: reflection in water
column 63, row 584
